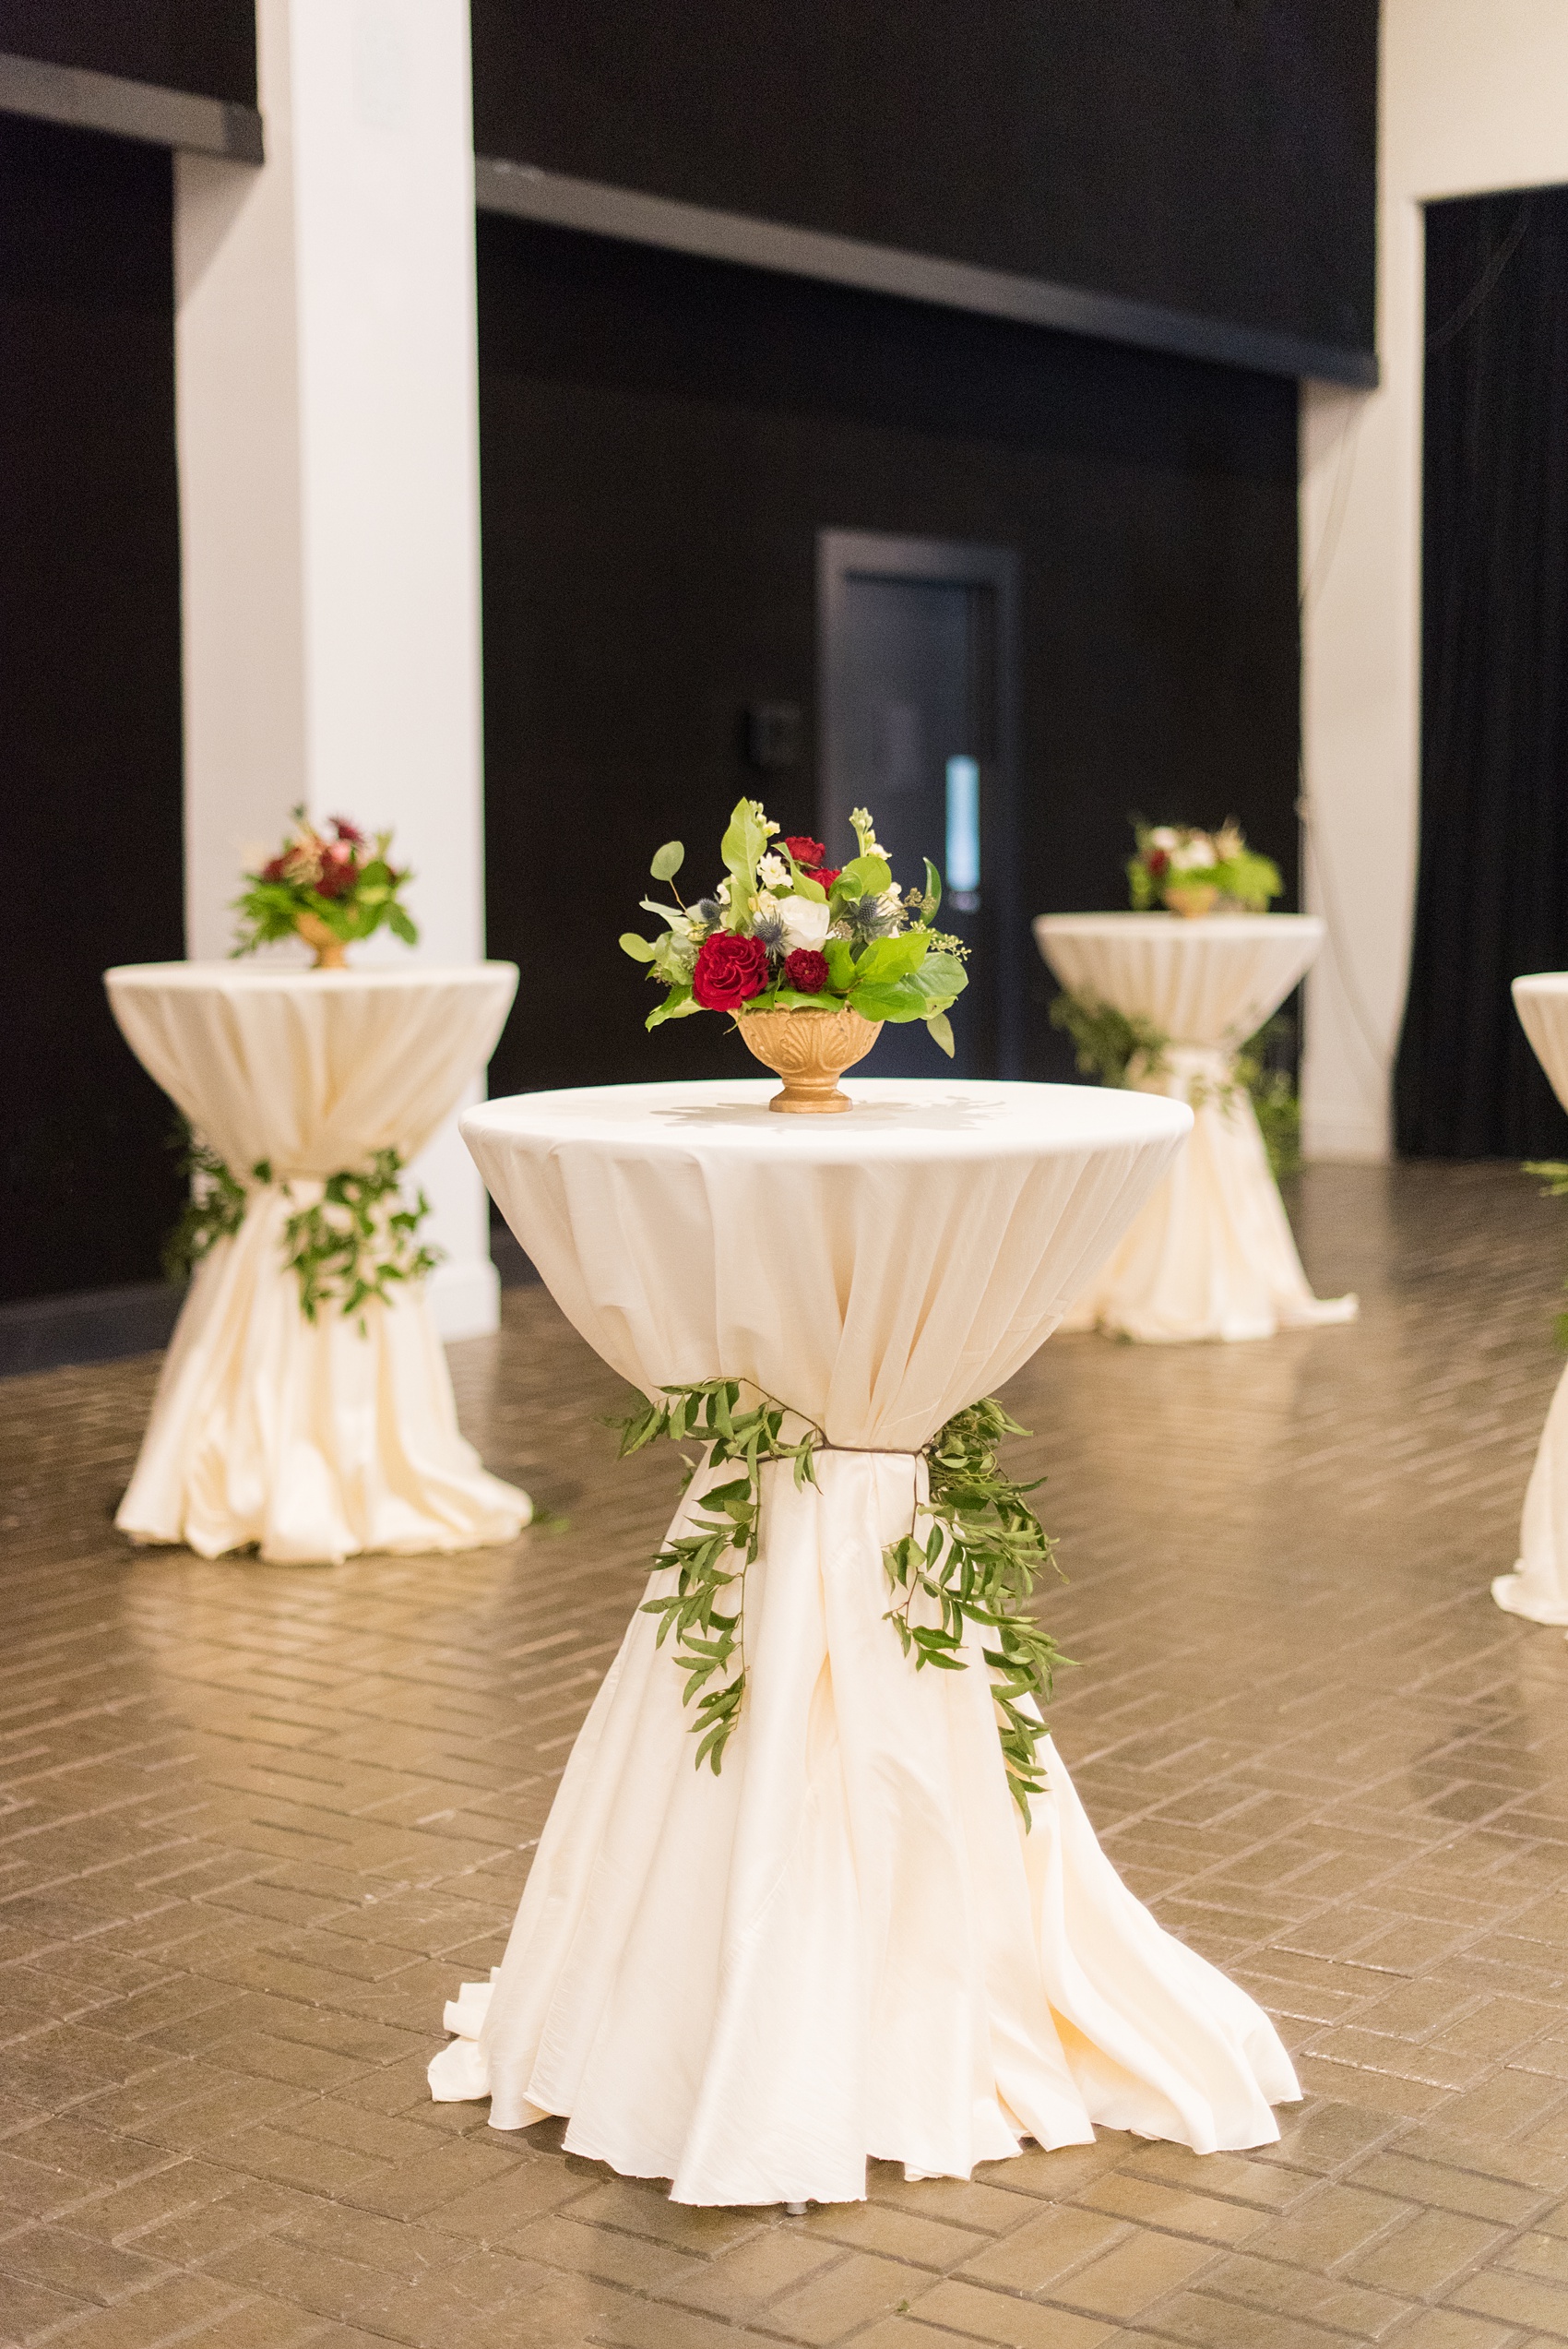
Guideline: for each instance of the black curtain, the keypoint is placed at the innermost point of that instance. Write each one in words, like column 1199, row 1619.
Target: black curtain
column 1492, row 898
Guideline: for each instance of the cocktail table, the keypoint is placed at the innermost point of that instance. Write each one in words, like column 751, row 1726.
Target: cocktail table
column 1212, row 1255
column 310, row 1438
column 846, row 1944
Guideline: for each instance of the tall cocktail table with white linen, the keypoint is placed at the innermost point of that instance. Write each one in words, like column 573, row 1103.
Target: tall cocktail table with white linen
column 845, row 1945
column 1212, row 1255
column 1538, row 1585
column 313, row 1438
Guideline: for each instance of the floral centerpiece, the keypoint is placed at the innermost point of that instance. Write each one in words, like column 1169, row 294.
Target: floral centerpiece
column 330, row 888
column 809, row 959
column 1193, row 872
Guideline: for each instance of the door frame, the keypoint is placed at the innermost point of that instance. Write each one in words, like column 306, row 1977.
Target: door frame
column 940, row 562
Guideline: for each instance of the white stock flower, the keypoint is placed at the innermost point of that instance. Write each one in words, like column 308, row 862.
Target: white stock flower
column 892, row 904
column 1163, row 836
column 805, row 921
column 1194, row 856
column 773, row 873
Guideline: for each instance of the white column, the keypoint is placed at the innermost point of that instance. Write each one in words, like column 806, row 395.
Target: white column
column 1474, row 98
column 328, row 445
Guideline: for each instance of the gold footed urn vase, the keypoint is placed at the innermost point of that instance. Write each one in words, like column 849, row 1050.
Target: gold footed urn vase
column 811, row 1051
column 330, row 952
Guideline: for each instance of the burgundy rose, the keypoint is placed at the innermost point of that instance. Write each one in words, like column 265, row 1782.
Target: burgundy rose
column 338, row 871
column 806, row 970
column 804, row 851
column 827, row 875
column 347, row 832
column 729, row 970
column 1158, row 862
column 274, row 870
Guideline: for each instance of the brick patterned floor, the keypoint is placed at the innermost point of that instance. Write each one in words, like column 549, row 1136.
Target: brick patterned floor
column 257, row 1822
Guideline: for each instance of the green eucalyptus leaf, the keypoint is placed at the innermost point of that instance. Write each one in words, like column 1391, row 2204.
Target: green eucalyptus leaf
column 939, row 1029
column 668, row 862
column 639, row 948
column 678, row 1003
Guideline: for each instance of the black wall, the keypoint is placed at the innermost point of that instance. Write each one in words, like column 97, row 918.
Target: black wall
column 90, row 697
column 208, row 46
column 660, row 440
column 1214, row 156
column 1491, row 900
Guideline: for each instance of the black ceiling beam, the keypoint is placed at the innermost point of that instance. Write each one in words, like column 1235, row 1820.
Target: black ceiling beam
column 85, row 101
column 530, row 194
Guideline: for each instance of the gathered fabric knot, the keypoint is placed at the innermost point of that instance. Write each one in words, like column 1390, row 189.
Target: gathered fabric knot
column 962, row 1576
column 349, row 1236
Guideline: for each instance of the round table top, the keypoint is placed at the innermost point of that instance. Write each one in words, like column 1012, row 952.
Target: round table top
column 875, row 1270
column 894, row 1117
column 1178, row 930
column 250, row 978
column 1209, row 982
column 311, row 1071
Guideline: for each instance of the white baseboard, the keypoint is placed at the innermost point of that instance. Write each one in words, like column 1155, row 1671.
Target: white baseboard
column 465, row 1297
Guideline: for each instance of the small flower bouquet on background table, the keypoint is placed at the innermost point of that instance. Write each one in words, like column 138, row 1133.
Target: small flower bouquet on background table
column 331, row 888
column 1195, row 873
column 809, row 959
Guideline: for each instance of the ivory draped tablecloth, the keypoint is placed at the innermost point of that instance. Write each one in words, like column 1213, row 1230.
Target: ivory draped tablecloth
column 845, row 1945
column 1212, row 1255
column 1537, row 1587
column 308, row 1438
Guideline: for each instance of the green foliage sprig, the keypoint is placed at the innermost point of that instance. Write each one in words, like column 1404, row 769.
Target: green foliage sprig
column 1117, row 1048
column 215, row 1208
column 1106, row 1042
column 1553, row 1175
column 358, row 1241
column 708, row 1641
column 977, row 1565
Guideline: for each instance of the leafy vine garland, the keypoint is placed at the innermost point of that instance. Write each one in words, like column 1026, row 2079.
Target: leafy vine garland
column 356, row 1241
column 977, row 1566
column 1552, row 1173
column 1107, row 1043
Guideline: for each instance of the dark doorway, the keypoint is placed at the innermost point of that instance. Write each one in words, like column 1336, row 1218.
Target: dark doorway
column 915, row 664
column 1492, row 896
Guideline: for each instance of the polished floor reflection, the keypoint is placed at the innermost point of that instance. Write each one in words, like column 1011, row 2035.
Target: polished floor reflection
column 258, row 1822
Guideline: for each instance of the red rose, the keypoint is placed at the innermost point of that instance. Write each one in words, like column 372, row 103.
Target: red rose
column 806, row 970
column 274, row 871
column 827, row 875
column 1158, row 862
column 347, row 832
column 338, row 871
column 729, row 970
column 804, row 851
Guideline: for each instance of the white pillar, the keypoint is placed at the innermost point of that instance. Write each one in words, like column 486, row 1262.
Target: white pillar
column 1472, row 100
column 328, row 446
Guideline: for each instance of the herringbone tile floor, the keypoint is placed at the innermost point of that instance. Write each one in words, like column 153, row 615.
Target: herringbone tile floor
column 258, row 1822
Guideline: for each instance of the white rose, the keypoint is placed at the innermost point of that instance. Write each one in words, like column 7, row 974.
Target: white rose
column 805, row 921
column 1194, row 856
column 1163, row 836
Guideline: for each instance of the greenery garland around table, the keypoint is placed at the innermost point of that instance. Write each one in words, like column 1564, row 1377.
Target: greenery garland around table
column 1107, row 1043
column 974, row 1569
column 1554, row 1174
column 358, row 1241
